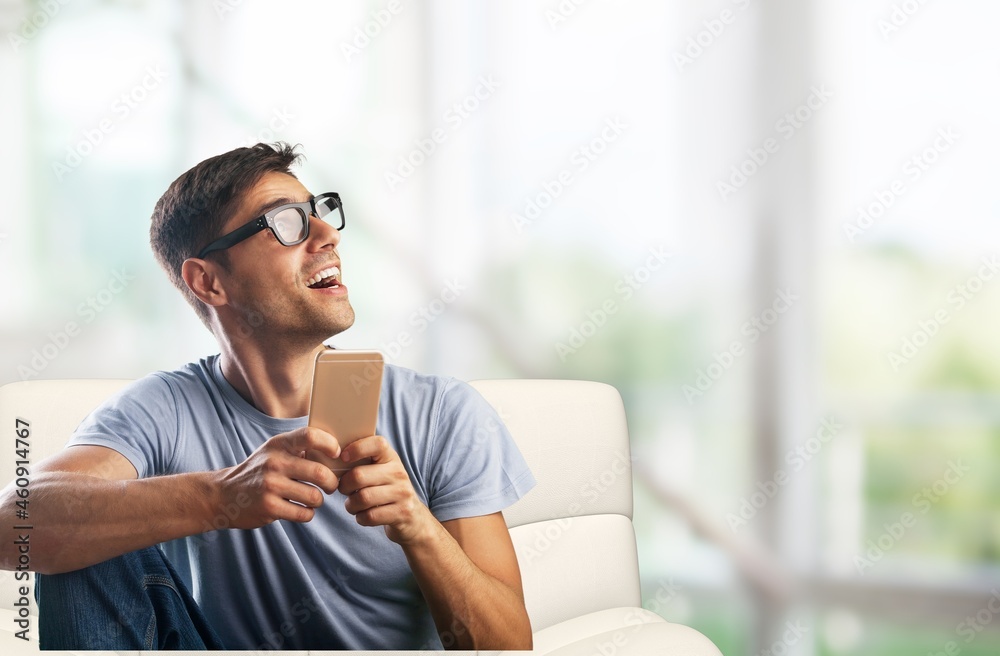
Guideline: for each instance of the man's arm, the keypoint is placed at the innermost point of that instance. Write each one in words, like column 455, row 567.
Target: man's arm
column 87, row 505
column 466, row 568
column 470, row 578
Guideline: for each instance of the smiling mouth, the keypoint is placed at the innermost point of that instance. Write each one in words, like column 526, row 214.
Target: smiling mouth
column 325, row 279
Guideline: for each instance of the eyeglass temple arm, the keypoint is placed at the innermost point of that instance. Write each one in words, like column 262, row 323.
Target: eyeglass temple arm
column 234, row 237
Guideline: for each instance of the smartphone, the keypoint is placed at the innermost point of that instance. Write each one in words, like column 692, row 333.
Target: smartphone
column 344, row 402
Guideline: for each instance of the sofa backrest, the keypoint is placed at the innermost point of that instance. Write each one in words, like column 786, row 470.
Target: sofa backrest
column 573, row 533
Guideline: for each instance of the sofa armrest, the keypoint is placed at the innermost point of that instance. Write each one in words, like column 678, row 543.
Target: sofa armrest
column 621, row 632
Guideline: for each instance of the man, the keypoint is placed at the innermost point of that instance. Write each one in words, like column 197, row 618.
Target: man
column 410, row 551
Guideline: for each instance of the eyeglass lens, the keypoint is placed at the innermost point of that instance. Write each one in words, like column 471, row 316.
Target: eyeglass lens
column 290, row 223
column 326, row 206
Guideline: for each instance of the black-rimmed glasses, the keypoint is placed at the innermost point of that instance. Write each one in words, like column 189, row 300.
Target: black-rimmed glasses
column 289, row 223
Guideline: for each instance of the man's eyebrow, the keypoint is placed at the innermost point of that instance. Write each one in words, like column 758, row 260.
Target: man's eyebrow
column 266, row 207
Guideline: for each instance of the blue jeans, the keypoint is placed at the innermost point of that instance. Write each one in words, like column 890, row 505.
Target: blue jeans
column 132, row 602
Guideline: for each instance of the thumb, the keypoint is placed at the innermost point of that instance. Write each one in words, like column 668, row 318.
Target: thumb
column 310, row 439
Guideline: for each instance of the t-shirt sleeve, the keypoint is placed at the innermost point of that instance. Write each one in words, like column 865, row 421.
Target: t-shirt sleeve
column 475, row 466
column 139, row 422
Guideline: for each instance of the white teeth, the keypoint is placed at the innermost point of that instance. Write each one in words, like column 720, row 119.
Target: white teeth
column 325, row 273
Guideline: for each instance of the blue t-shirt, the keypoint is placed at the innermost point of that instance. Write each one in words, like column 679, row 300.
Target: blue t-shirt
column 329, row 583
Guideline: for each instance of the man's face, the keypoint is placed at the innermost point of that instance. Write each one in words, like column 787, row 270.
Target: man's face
column 266, row 285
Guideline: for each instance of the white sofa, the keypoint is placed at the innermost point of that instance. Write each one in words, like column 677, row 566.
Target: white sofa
column 573, row 533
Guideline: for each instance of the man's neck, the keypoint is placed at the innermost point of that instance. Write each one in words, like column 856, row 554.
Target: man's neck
column 276, row 381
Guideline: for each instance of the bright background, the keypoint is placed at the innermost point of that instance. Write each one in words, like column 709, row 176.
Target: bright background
column 882, row 331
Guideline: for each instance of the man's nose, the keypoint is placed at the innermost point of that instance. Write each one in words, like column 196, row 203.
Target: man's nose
column 322, row 233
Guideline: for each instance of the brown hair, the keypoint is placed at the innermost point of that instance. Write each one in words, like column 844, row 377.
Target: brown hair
column 196, row 206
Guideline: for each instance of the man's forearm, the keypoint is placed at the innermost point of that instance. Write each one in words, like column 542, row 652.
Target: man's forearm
column 471, row 609
column 80, row 520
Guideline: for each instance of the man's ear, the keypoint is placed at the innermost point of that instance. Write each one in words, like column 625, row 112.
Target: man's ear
column 201, row 277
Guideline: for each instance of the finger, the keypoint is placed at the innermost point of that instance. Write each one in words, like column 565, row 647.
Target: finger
column 297, row 491
column 375, row 447
column 371, row 497
column 332, row 464
column 310, row 438
column 377, row 516
column 363, row 476
column 279, row 508
column 310, row 470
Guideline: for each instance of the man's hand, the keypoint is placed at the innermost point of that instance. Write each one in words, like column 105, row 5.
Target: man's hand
column 273, row 482
column 381, row 494
column 467, row 571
